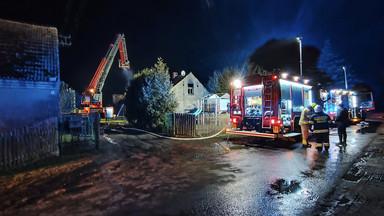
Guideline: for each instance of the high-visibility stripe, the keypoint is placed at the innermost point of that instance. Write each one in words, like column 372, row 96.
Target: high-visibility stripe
column 310, row 122
column 326, row 144
column 303, row 122
column 322, row 131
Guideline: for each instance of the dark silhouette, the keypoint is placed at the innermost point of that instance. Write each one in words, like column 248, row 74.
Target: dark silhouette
column 342, row 121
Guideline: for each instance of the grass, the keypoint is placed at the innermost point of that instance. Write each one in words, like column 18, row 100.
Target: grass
column 115, row 121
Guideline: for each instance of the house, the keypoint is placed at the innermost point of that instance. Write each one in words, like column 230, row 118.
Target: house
column 188, row 91
column 29, row 73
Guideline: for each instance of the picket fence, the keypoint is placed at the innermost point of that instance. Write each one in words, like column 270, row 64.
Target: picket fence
column 28, row 143
column 189, row 125
column 211, row 123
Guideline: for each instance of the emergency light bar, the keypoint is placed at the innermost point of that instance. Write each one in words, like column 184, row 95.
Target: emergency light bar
column 341, row 91
column 294, row 83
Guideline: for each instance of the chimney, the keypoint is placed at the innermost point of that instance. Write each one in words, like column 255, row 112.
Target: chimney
column 174, row 75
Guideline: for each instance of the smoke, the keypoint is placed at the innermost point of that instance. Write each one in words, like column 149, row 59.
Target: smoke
column 128, row 75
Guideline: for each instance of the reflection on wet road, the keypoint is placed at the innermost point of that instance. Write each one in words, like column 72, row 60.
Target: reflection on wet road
column 270, row 179
column 143, row 175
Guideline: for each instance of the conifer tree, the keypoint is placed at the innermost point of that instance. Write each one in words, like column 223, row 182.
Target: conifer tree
column 149, row 97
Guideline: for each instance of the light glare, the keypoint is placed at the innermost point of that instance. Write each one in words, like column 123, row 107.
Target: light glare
column 237, row 83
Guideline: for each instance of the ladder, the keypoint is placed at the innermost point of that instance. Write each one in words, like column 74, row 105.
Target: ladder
column 267, row 105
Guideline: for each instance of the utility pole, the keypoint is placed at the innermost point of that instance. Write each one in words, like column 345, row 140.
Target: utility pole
column 299, row 39
column 345, row 78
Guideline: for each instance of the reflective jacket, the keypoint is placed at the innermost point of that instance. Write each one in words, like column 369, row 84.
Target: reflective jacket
column 305, row 115
column 320, row 122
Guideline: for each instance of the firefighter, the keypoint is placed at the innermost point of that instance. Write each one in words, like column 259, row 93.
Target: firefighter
column 304, row 119
column 342, row 121
column 320, row 122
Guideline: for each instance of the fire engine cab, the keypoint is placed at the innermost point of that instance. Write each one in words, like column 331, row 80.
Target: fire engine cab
column 358, row 104
column 268, row 105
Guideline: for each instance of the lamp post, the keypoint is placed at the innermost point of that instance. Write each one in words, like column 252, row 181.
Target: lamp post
column 345, row 78
column 301, row 54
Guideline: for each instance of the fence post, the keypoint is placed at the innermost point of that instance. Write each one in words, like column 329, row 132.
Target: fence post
column 6, row 150
column 60, row 126
column 2, row 167
column 96, row 127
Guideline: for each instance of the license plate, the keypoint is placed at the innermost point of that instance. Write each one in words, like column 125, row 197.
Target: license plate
column 275, row 129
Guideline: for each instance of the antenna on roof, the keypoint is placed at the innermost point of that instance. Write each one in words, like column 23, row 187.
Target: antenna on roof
column 183, row 73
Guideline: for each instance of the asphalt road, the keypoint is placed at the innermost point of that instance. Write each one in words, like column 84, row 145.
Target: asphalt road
column 273, row 179
column 140, row 174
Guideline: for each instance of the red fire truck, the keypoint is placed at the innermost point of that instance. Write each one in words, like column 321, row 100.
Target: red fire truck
column 357, row 103
column 268, row 105
column 92, row 97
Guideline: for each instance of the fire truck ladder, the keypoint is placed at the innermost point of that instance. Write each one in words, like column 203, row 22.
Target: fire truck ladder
column 267, row 105
column 98, row 80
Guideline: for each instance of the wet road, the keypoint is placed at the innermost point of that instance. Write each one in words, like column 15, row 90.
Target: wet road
column 140, row 174
column 273, row 179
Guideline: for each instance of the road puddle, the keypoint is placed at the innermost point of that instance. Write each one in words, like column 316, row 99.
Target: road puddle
column 354, row 174
column 283, row 186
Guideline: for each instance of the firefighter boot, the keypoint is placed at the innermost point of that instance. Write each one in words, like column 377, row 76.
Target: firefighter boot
column 319, row 146
column 305, row 143
column 326, row 146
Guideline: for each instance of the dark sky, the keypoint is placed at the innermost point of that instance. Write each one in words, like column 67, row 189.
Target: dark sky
column 206, row 35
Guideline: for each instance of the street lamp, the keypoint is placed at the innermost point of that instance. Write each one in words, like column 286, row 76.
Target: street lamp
column 345, row 78
column 301, row 54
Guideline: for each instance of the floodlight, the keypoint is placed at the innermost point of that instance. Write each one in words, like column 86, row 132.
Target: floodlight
column 237, row 83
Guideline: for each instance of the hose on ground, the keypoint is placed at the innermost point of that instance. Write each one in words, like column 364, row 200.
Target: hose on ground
column 176, row 138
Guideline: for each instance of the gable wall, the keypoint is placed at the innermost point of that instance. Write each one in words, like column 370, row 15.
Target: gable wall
column 187, row 102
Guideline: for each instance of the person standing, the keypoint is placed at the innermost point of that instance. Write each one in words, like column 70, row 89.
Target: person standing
column 342, row 121
column 303, row 122
column 320, row 122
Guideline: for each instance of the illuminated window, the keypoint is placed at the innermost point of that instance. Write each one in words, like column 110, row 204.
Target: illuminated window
column 190, row 89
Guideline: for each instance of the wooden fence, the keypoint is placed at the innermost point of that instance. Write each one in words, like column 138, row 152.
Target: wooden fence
column 29, row 143
column 181, row 124
column 211, row 123
column 189, row 125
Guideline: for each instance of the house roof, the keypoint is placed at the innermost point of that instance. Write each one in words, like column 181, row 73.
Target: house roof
column 225, row 96
column 28, row 52
column 213, row 96
column 179, row 78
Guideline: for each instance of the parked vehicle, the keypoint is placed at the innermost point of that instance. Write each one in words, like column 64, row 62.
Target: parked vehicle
column 92, row 97
column 357, row 103
column 268, row 105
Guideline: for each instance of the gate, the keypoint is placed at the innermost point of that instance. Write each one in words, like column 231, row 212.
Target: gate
column 79, row 128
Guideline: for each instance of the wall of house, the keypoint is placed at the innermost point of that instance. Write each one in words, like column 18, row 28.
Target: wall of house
column 188, row 102
column 23, row 102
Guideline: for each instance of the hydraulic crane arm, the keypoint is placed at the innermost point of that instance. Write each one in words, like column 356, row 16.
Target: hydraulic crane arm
column 97, row 83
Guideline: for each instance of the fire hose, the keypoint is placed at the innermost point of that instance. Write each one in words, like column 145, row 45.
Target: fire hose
column 177, row 138
column 173, row 138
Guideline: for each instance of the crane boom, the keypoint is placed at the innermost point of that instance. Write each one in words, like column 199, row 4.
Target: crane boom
column 93, row 94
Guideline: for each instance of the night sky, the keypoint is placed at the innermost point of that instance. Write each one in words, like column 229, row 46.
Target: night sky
column 205, row 35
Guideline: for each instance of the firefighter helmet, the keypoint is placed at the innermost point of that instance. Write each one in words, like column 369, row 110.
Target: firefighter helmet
column 313, row 105
column 318, row 109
